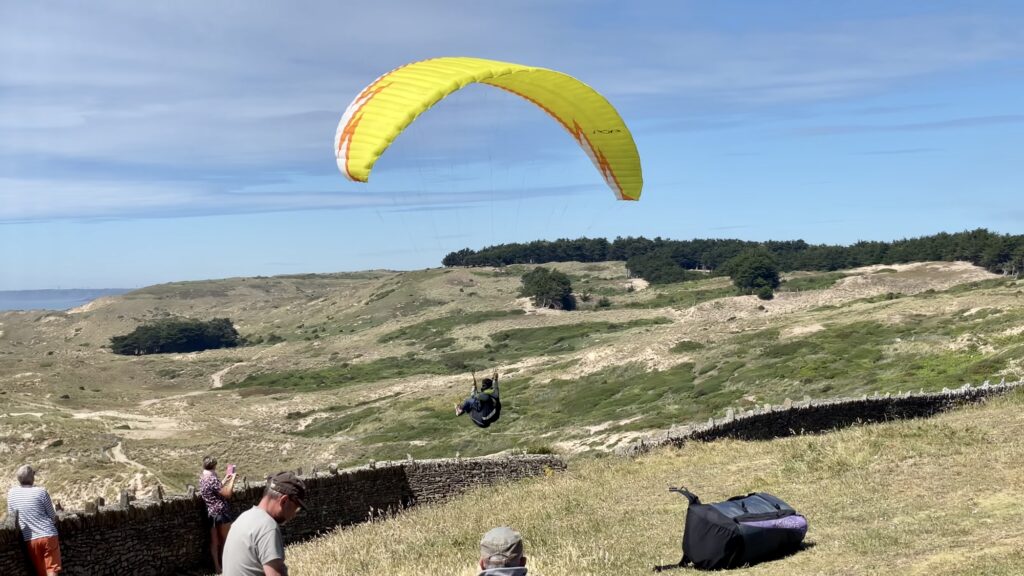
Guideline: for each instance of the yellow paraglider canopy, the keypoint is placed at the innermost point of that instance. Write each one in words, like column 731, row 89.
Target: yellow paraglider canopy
column 384, row 108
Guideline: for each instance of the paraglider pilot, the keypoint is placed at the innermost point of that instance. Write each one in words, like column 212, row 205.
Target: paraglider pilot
column 484, row 404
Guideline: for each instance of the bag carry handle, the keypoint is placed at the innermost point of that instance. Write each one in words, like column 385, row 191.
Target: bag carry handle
column 743, row 505
column 685, row 560
column 689, row 495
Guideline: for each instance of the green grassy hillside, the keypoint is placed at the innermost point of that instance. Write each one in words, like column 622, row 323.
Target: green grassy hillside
column 351, row 367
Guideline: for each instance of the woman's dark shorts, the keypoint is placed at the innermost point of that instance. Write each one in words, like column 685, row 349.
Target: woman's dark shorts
column 226, row 518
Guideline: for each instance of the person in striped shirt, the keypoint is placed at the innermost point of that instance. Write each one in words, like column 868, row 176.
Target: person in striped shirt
column 37, row 519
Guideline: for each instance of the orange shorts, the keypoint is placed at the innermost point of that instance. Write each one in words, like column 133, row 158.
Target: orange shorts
column 45, row 554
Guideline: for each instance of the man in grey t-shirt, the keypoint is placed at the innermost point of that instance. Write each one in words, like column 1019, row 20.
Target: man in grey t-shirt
column 255, row 546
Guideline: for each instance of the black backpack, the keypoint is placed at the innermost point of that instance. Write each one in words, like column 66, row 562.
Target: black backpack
column 486, row 409
column 740, row 531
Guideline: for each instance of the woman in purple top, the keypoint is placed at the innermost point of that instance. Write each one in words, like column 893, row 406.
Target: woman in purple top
column 215, row 495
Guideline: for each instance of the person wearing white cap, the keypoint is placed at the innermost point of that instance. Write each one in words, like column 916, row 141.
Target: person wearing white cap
column 501, row 553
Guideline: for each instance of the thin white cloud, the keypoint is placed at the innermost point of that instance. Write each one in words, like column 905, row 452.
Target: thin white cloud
column 200, row 88
column 833, row 62
column 41, row 200
column 945, row 124
column 900, row 151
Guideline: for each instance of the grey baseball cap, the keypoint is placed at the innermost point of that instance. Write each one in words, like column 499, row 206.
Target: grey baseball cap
column 502, row 542
column 290, row 485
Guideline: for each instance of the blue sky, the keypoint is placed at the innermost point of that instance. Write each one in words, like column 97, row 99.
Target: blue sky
column 145, row 142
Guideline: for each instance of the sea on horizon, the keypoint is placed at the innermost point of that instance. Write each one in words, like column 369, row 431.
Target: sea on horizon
column 52, row 299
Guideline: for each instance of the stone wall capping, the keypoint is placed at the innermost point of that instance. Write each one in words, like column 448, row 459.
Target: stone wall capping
column 809, row 416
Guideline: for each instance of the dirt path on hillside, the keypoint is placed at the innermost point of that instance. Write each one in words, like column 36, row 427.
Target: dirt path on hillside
column 139, row 483
column 152, row 401
column 217, row 378
column 116, row 454
column 140, row 426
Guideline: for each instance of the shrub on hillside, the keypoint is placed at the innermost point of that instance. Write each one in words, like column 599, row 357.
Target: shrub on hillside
column 765, row 293
column 176, row 335
column 754, row 272
column 659, row 267
column 549, row 289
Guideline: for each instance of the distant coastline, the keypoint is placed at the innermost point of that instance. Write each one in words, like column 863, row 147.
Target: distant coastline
column 52, row 299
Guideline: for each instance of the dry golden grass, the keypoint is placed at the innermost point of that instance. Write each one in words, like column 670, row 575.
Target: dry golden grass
column 936, row 497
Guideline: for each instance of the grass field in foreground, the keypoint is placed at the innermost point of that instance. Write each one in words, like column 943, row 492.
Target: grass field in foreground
column 935, row 497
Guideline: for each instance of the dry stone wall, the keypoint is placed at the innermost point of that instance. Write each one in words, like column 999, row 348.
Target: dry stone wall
column 12, row 555
column 170, row 535
column 809, row 416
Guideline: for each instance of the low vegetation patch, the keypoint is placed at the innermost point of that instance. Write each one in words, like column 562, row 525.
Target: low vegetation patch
column 684, row 346
column 505, row 346
column 344, row 374
column 683, row 298
column 845, row 359
column 438, row 328
column 812, row 282
column 184, row 290
column 523, row 342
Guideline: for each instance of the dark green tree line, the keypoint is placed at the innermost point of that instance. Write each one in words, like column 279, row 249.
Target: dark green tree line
column 996, row 252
